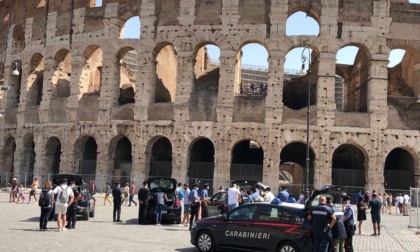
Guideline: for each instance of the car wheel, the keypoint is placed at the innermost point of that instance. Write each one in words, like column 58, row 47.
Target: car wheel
column 86, row 214
column 288, row 247
column 205, row 242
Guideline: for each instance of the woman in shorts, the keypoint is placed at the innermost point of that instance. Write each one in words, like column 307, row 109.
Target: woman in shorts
column 32, row 192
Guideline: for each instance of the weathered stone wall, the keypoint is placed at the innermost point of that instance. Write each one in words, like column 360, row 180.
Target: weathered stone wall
column 27, row 29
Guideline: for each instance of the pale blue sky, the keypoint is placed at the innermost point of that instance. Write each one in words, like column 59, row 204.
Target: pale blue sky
column 255, row 54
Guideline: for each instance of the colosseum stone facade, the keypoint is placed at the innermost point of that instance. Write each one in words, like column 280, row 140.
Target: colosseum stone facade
column 73, row 105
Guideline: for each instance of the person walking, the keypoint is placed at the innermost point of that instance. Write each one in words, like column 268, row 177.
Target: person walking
column 160, row 198
column 361, row 213
column 32, row 192
column 349, row 223
column 204, row 195
column 13, row 190
column 186, row 217
column 234, row 197
column 20, row 194
column 46, row 201
column 117, row 194
column 92, row 187
column 194, row 203
column 385, row 203
column 375, row 206
column 144, row 197
column 179, row 194
column 126, row 193
column 108, row 192
column 338, row 231
column 390, row 201
column 65, row 198
column 72, row 209
column 398, row 204
column 358, row 195
column 406, row 204
column 322, row 219
column 132, row 192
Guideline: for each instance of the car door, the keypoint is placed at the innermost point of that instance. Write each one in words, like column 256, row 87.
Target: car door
column 236, row 232
column 217, row 204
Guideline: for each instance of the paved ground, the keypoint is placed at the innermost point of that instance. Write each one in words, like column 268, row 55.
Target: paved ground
column 20, row 230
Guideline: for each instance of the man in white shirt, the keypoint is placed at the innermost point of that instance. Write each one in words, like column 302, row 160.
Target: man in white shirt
column 398, row 204
column 233, row 196
column 268, row 196
column 61, row 207
column 406, row 204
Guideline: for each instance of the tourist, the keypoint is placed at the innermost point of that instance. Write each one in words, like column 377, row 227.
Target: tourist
column 108, row 192
column 361, row 213
column 46, row 201
column 234, row 197
column 72, row 209
column 132, row 192
column 406, row 204
column 32, row 192
column 301, row 199
column 20, row 194
column 375, row 206
column 116, row 193
column 160, row 198
column 13, row 190
column 126, row 190
column 65, row 197
column 186, row 217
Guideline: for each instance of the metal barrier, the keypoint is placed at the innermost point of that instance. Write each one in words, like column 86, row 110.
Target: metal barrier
column 414, row 209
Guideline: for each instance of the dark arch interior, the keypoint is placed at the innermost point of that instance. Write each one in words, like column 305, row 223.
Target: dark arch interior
column 123, row 161
column 202, row 151
column 348, row 167
column 29, row 156
column 9, row 155
column 399, row 170
column 201, row 166
column 247, row 162
column 161, row 158
column 88, row 162
column 53, row 151
column 296, row 153
column 123, row 150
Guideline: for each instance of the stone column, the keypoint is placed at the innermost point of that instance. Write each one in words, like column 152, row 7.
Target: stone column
column 185, row 82
column 323, row 159
column 179, row 158
column 227, row 78
column 23, row 91
column 145, row 86
column 222, row 159
column 47, row 90
column 274, row 99
column 77, row 65
column 325, row 90
column 109, row 89
column 377, row 92
column 375, row 165
column 271, row 163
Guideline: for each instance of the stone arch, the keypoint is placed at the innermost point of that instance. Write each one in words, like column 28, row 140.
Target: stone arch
column 247, row 159
column 8, row 155
column 120, row 156
column 166, row 64
column 201, row 162
column 349, row 167
column 86, row 150
column 28, row 161
column 62, row 74
column 356, row 79
column 296, row 16
column 159, row 155
column 53, row 155
column 312, row 9
column 250, row 80
column 131, row 21
column 401, row 165
column 127, row 65
column 295, row 87
column 90, row 80
column 293, row 162
column 35, row 80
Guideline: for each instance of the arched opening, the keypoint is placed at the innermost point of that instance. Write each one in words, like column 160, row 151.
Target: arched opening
column 28, row 161
column 127, row 64
column 206, row 83
column 87, row 154
column 8, row 153
column 348, row 168
column 122, row 160
column 292, row 168
column 35, row 80
column 62, row 74
column 13, row 95
column 340, row 89
column 166, row 73
column 90, row 80
column 399, row 170
column 201, row 165
column 131, row 28
column 353, row 66
column 251, row 71
column 96, row 3
column 53, row 155
column 161, row 158
column 247, row 161
column 295, row 86
column 301, row 23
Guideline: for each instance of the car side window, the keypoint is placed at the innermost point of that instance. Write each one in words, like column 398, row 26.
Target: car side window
column 243, row 213
column 219, row 198
column 287, row 217
column 269, row 213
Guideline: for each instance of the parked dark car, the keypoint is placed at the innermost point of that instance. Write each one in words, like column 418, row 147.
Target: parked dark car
column 171, row 212
column 245, row 184
column 260, row 227
column 86, row 204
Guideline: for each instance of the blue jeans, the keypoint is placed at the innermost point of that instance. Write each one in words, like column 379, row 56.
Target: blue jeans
column 232, row 206
column 321, row 244
column 159, row 210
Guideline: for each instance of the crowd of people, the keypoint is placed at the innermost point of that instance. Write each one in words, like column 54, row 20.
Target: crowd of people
column 253, row 88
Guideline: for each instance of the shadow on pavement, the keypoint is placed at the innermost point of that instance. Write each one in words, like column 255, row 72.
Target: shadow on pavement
column 33, row 219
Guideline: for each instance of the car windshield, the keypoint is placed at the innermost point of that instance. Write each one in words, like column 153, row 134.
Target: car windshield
column 315, row 202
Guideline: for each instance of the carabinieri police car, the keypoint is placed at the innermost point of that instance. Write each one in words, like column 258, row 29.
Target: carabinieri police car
column 260, row 226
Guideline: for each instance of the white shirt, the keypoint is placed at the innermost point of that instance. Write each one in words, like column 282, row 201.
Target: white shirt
column 269, row 196
column 406, row 199
column 233, row 195
column 57, row 192
column 399, row 200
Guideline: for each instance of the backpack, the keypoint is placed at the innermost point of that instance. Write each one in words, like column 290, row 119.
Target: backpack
column 180, row 194
column 44, row 200
column 64, row 195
